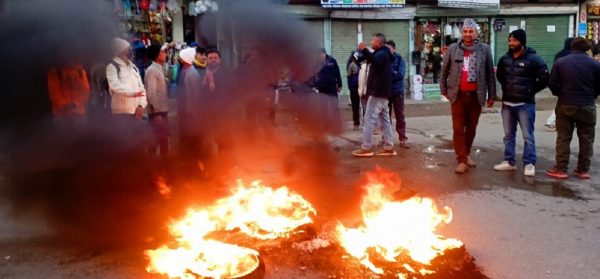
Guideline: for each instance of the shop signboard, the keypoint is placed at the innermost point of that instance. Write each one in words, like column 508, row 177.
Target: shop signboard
column 470, row 4
column 361, row 4
column 593, row 9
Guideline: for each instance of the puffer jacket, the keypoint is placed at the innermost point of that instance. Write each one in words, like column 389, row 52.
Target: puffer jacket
column 398, row 73
column 522, row 77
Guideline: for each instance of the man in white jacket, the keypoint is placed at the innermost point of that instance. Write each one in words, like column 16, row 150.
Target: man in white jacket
column 124, row 82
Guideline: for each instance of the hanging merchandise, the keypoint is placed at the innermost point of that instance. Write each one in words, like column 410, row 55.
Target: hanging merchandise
column 173, row 7
column 137, row 7
column 153, row 5
column 127, row 8
column 214, row 7
column 163, row 12
column 144, row 5
column 457, row 34
column 448, row 30
column 192, row 8
column 201, row 7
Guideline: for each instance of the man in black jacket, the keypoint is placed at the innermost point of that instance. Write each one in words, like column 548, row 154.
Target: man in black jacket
column 522, row 73
column 379, row 87
column 575, row 79
column 328, row 82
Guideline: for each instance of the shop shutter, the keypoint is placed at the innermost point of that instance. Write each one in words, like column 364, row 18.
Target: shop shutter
column 396, row 30
column 316, row 26
column 501, row 40
column 547, row 44
column 343, row 41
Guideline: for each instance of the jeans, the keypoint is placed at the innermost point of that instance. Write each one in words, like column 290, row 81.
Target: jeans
column 465, row 116
column 397, row 104
column 524, row 115
column 568, row 118
column 377, row 112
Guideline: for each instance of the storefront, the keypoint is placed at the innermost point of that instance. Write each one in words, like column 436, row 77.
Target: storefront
column 146, row 21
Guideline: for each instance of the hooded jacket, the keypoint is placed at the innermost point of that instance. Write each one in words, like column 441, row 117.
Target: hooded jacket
column 379, row 80
column 522, row 77
column 329, row 79
column 575, row 79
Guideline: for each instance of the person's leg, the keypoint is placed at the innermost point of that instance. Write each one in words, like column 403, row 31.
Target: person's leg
column 564, row 134
column 400, row 120
column 526, row 116
column 386, row 124
column 370, row 119
column 458, row 129
column 509, row 122
column 473, row 111
column 355, row 100
column 586, row 129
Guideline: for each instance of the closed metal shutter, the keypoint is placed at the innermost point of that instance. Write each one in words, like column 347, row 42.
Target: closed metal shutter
column 396, row 30
column 547, row 44
column 501, row 40
column 343, row 41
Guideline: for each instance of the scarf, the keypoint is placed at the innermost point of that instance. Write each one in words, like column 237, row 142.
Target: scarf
column 476, row 52
column 197, row 64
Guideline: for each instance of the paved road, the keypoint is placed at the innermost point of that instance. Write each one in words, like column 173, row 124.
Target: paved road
column 516, row 227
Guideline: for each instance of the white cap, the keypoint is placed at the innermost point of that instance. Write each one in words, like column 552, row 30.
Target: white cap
column 187, row 55
column 120, row 45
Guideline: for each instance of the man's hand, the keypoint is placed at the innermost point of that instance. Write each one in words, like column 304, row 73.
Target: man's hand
column 138, row 94
column 139, row 113
column 362, row 46
column 339, row 89
column 490, row 103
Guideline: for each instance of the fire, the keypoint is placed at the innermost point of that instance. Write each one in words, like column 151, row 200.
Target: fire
column 257, row 211
column 392, row 229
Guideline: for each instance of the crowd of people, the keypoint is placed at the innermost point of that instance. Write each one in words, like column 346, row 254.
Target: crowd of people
column 375, row 79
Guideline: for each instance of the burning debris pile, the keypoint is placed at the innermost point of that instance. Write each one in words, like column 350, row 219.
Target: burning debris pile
column 236, row 236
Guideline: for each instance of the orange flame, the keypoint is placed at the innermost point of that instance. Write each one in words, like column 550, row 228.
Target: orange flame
column 258, row 211
column 392, row 229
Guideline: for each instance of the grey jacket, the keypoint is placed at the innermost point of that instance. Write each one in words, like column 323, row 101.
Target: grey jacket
column 451, row 72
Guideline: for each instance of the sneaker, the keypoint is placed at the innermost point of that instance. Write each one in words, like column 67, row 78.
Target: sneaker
column 356, row 127
column 384, row 152
column 557, row 173
column 404, row 144
column 504, row 166
column 529, row 170
column 461, row 168
column 471, row 163
column 550, row 127
column 363, row 152
column 582, row 174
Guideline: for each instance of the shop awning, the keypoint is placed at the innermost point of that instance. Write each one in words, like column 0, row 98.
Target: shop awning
column 362, row 4
column 434, row 11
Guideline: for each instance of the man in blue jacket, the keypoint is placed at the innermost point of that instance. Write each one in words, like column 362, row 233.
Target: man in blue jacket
column 575, row 80
column 328, row 82
column 522, row 73
column 379, row 86
column 397, row 97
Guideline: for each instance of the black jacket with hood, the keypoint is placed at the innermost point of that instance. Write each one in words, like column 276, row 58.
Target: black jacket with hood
column 379, row 81
column 522, row 77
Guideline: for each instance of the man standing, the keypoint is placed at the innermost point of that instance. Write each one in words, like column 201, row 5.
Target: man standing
column 522, row 73
column 575, row 80
column 328, row 82
column 397, row 97
column 467, row 80
column 551, row 121
column 379, row 86
column 352, row 70
column 124, row 81
column 158, row 102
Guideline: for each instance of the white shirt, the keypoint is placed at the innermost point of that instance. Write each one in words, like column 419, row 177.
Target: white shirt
column 123, row 86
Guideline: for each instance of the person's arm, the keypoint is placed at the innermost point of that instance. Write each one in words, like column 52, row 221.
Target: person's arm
column 115, row 84
column 338, row 75
column 152, row 83
column 490, row 77
column 553, row 82
column 377, row 59
column 542, row 75
column 501, row 72
column 444, row 71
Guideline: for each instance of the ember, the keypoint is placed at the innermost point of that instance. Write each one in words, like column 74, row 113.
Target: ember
column 257, row 211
